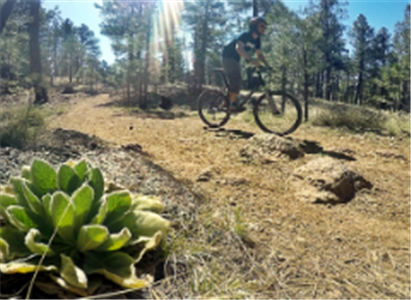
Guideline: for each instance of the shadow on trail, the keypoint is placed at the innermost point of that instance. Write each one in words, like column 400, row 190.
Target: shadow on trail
column 157, row 114
column 153, row 111
column 231, row 133
column 313, row 147
column 108, row 104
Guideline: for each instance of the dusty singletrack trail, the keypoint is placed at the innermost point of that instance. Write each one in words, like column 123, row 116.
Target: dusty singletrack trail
column 360, row 249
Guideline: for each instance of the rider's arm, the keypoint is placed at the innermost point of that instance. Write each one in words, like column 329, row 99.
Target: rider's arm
column 240, row 50
column 261, row 56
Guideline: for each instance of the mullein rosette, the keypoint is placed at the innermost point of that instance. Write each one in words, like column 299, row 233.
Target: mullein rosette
column 65, row 223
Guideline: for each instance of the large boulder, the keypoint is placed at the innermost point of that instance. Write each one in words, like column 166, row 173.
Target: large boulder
column 267, row 147
column 326, row 180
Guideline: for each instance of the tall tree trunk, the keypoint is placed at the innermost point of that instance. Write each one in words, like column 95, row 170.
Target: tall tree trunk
column 54, row 64
column 196, row 83
column 255, row 8
column 143, row 102
column 283, row 85
column 306, row 84
column 70, row 72
column 204, row 44
column 328, row 83
column 319, row 87
column 358, row 94
column 5, row 12
column 129, row 69
column 35, row 57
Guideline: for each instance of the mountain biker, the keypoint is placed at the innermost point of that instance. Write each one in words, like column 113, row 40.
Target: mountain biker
column 238, row 48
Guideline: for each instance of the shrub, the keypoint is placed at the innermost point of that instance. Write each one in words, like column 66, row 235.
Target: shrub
column 65, row 223
column 359, row 119
column 20, row 126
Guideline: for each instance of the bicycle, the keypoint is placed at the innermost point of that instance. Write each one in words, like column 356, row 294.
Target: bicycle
column 274, row 112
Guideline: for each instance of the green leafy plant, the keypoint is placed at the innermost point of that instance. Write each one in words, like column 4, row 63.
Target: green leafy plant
column 66, row 223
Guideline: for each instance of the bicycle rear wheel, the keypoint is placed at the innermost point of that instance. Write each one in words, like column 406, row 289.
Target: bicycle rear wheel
column 213, row 108
column 280, row 113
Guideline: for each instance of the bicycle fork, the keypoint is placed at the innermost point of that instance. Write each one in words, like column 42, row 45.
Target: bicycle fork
column 271, row 103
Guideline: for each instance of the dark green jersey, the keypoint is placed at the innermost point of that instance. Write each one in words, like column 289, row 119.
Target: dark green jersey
column 249, row 42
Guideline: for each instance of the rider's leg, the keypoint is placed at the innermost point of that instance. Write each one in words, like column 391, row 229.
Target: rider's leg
column 232, row 70
column 233, row 97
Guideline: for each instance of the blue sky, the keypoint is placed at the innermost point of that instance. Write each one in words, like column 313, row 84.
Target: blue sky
column 379, row 13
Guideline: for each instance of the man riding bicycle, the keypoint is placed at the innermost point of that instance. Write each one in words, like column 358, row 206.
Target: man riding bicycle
column 238, row 48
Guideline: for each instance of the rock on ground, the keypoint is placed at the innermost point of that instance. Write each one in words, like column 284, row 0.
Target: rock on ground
column 326, row 180
column 268, row 147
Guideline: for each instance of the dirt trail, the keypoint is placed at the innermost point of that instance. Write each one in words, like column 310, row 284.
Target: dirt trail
column 374, row 224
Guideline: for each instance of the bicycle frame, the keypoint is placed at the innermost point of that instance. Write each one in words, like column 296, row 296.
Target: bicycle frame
column 248, row 97
column 273, row 102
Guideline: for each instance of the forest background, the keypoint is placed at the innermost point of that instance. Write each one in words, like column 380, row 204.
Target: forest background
column 166, row 42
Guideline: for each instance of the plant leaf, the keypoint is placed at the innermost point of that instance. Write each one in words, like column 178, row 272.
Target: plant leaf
column 91, row 236
column 141, row 223
column 118, row 204
column 15, row 242
column 149, row 203
column 4, row 250
column 32, row 200
column 44, row 177
column 17, row 184
column 48, row 220
column 24, row 267
column 26, row 172
column 72, row 274
column 5, row 201
column 115, row 241
column 102, row 207
column 137, row 252
column 116, row 266
column 64, row 284
column 62, row 215
column 82, row 200
column 68, row 180
column 19, row 218
column 81, row 169
column 34, row 246
column 46, row 204
column 96, row 181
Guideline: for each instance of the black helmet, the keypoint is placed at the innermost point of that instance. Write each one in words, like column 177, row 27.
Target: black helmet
column 254, row 22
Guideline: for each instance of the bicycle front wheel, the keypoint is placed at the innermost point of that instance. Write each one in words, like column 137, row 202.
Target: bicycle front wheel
column 277, row 112
column 213, row 108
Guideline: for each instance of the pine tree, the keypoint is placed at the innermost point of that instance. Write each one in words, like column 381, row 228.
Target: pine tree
column 402, row 50
column 5, row 13
column 330, row 12
column 362, row 35
column 51, row 38
column 309, row 35
column 380, row 52
column 35, row 58
column 206, row 19
column 125, row 23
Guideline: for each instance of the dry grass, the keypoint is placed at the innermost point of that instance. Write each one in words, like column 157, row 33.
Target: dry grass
column 359, row 119
column 21, row 125
column 250, row 237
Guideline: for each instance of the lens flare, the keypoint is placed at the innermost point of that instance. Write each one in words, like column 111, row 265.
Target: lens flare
column 167, row 25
